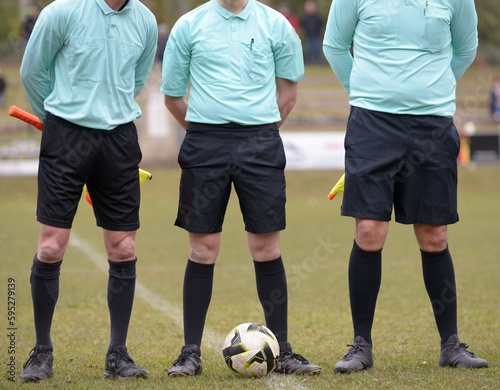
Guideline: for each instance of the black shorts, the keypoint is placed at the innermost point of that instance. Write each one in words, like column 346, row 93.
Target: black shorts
column 106, row 160
column 215, row 157
column 405, row 161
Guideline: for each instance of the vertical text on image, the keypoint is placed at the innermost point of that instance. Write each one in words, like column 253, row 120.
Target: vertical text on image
column 11, row 329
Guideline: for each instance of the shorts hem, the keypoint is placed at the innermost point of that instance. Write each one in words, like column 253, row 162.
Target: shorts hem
column 432, row 222
column 54, row 223
column 266, row 230
column 365, row 216
column 119, row 228
column 198, row 230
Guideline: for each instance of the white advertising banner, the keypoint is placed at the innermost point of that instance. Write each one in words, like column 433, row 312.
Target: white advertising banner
column 314, row 150
column 304, row 151
column 18, row 167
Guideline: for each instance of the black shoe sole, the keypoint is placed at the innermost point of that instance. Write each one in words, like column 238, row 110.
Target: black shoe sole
column 311, row 373
column 114, row 376
column 182, row 375
column 35, row 379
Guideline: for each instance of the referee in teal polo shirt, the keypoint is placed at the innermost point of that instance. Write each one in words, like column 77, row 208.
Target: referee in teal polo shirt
column 401, row 149
column 243, row 61
column 84, row 64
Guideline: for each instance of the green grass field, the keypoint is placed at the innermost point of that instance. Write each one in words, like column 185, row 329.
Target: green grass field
column 315, row 246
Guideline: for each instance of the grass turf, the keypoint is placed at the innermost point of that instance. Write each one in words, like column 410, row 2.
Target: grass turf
column 315, row 245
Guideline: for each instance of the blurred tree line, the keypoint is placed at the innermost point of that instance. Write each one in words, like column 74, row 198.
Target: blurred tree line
column 12, row 13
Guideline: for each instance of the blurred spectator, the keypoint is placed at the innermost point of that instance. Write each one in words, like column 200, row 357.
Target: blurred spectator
column 284, row 8
column 312, row 25
column 3, row 86
column 29, row 22
column 163, row 34
column 495, row 100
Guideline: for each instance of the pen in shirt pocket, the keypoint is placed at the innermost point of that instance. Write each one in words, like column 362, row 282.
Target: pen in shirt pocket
column 426, row 6
column 251, row 44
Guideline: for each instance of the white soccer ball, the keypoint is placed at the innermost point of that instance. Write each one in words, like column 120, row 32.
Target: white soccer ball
column 251, row 350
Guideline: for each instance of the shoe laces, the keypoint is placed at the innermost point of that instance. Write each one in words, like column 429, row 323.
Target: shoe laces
column 184, row 357
column 35, row 358
column 464, row 347
column 122, row 355
column 353, row 349
column 294, row 356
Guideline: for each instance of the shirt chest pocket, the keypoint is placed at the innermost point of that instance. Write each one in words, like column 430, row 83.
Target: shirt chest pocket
column 127, row 63
column 436, row 33
column 381, row 24
column 257, row 63
column 211, row 62
column 85, row 58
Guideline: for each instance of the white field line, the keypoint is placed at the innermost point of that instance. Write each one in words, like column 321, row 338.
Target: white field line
column 210, row 338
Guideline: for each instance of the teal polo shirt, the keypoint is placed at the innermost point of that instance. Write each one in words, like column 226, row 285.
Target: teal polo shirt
column 86, row 63
column 408, row 54
column 231, row 62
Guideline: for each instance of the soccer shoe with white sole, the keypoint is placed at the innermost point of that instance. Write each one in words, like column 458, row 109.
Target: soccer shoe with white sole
column 293, row 363
column 188, row 363
column 39, row 365
column 359, row 357
column 454, row 354
column 119, row 365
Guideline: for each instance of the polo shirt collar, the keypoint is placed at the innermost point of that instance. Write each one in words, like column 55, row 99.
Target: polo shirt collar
column 106, row 9
column 227, row 14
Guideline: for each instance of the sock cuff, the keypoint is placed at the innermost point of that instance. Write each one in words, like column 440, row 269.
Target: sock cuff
column 199, row 269
column 356, row 247
column 123, row 269
column 434, row 254
column 272, row 265
column 46, row 271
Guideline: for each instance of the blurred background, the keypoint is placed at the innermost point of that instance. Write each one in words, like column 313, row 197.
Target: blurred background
column 14, row 12
column 313, row 137
column 315, row 127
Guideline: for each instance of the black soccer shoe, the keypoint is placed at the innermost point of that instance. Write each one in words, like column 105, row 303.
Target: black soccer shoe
column 359, row 357
column 39, row 365
column 188, row 363
column 454, row 354
column 119, row 365
column 293, row 363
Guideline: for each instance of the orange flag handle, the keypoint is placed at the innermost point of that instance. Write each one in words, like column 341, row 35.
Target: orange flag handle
column 25, row 116
column 31, row 119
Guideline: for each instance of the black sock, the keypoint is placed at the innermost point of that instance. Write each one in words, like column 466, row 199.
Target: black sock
column 121, row 290
column 197, row 293
column 273, row 295
column 365, row 276
column 44, row 293
column 439, row 279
